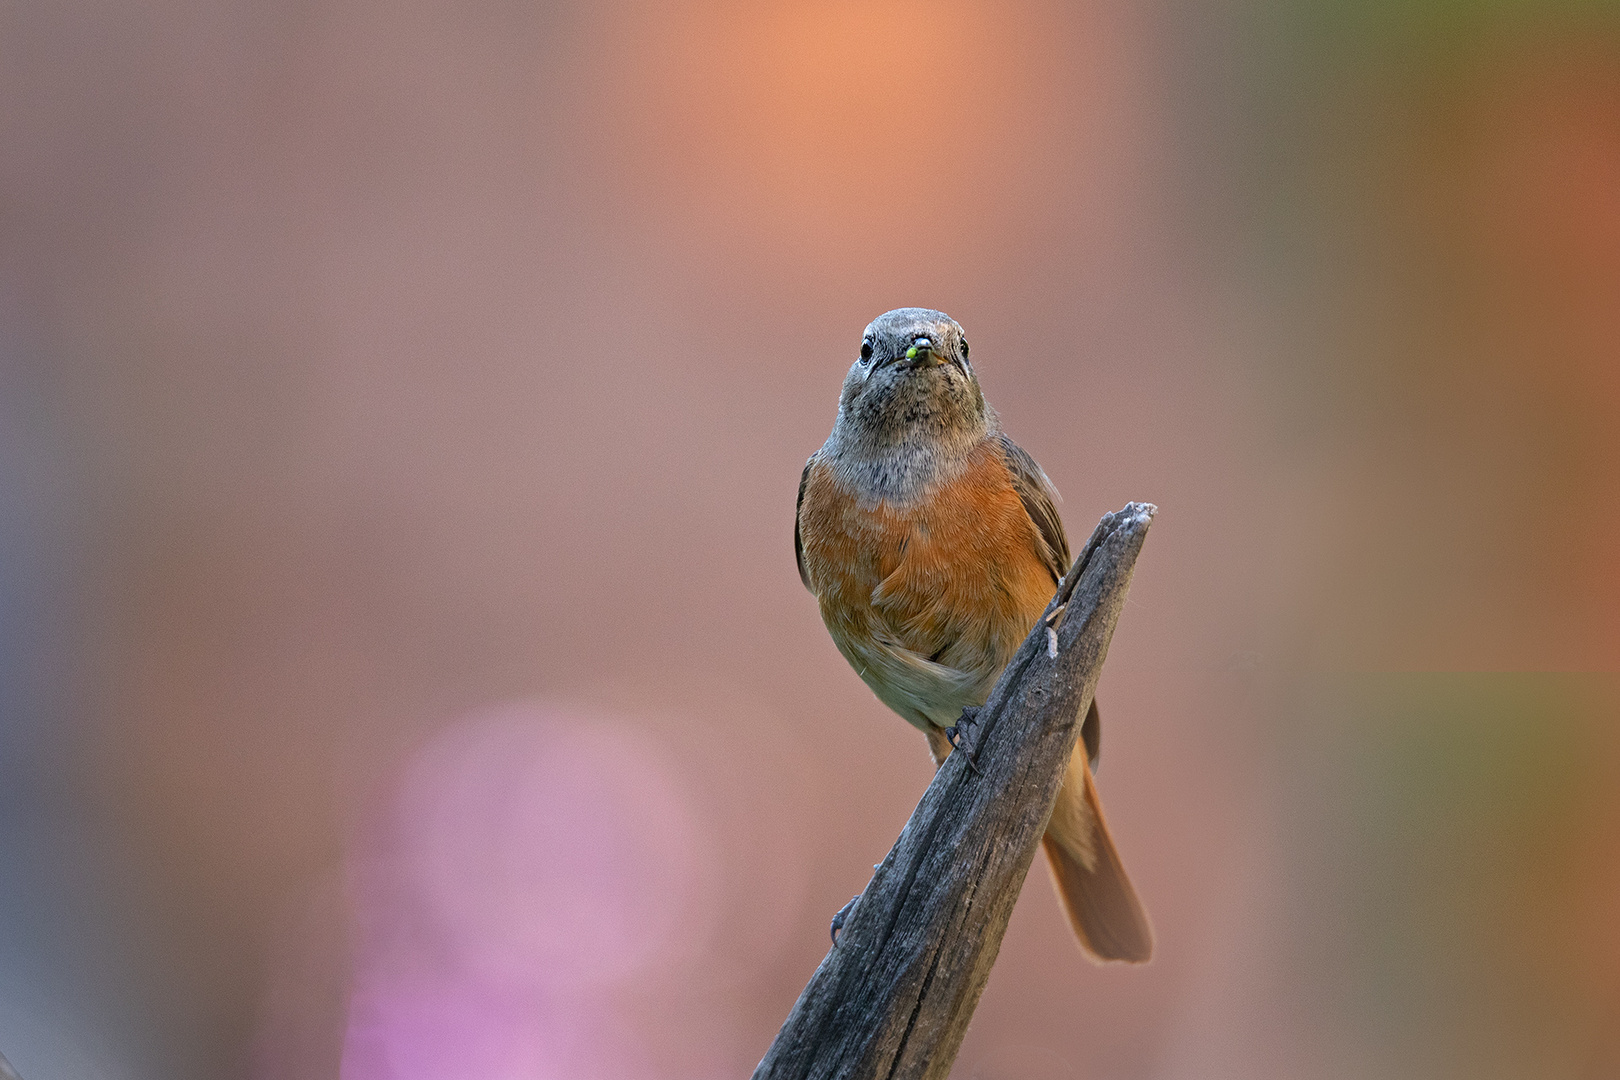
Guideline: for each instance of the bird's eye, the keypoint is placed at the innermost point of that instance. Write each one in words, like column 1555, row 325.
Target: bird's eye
column 964, row 349
column 866, row 349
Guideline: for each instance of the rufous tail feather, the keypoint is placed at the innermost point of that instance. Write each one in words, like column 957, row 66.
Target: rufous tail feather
column 1091, row 882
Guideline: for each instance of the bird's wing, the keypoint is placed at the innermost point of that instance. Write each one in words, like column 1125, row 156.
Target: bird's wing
column 798, row 540
column 1040, row 498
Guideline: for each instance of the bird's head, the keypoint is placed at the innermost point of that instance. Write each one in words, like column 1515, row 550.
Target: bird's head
column 912, row 380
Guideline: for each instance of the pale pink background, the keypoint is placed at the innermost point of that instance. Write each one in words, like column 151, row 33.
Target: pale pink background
column 402, row 407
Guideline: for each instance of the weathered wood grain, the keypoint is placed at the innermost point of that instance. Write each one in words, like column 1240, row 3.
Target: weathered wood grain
column 893, row 998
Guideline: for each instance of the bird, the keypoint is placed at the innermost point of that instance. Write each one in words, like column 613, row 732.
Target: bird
column 932, row 544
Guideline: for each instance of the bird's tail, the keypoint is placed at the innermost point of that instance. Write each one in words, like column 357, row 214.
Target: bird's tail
column 1097, row 895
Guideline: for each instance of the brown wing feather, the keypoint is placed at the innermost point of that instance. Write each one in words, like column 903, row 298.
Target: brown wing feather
column 1040, row 498
column 798, row 537
column 1091, row 735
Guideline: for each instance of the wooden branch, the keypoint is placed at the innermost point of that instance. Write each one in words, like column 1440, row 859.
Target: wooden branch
column 893, row 998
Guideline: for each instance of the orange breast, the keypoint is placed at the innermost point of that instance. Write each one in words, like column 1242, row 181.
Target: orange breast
column 952, row 582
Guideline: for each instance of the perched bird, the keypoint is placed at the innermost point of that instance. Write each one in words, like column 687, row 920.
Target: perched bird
column 932, row 544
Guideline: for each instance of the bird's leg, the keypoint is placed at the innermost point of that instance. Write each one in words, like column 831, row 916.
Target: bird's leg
column 843, row 914
column 957, row 735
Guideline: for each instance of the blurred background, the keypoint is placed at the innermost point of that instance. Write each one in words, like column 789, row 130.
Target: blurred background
column 403, row 670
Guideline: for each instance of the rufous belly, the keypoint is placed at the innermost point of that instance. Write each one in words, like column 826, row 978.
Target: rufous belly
column 927, row 599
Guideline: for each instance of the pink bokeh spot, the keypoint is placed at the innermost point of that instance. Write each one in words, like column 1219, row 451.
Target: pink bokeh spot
column 466, row 1029
column 532, row 861
column 442, row 1031
column 550, row 850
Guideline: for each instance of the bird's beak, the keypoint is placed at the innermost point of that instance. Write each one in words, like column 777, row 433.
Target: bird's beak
column 921, row 351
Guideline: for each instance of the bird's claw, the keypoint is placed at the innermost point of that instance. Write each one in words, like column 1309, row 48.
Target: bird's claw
column 956, row 735
column 843, row 914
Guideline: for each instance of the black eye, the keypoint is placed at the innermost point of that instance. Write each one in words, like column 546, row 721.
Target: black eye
column 964, row 348
column 866, row 349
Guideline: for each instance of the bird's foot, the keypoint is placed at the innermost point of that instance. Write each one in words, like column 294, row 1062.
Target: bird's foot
column 957, row 736
column 843, row 914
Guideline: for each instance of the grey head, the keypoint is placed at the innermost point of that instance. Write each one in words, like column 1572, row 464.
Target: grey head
column 911, row 407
